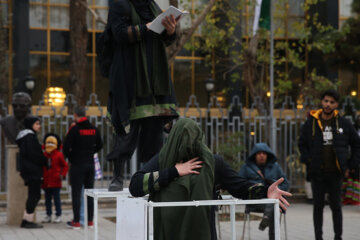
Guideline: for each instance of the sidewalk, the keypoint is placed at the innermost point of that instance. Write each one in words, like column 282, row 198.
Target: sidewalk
column 300, row 225
column 298, row 218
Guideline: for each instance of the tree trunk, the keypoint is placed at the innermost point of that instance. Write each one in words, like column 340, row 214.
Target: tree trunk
column 250, row 66
column 4, row 67
column 78, row 47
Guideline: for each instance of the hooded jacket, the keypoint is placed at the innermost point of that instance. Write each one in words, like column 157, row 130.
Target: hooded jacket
column 82, row 142
column 311, row 143
column 31, row 158
column 56, row 167
column 272, row 170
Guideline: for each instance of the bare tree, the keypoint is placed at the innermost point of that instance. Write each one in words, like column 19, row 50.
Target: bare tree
column 185, row 35
column 78, row 46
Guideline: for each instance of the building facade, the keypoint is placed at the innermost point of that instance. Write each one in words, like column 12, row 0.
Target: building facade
column 37, row 41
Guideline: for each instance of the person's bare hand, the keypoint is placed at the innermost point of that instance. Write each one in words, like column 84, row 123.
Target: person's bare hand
column 148, row 25
column 186, row 168
column 169, row 22
column 275, row 193
column 347, row 173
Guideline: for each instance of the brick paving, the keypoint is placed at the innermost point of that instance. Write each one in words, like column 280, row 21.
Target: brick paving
column 298, row 219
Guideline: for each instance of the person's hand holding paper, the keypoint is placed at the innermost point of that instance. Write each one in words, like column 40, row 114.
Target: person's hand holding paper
column 167, row 20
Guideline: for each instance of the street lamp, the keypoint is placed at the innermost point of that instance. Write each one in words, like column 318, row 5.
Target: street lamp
column 209, row 87
column 29, row 83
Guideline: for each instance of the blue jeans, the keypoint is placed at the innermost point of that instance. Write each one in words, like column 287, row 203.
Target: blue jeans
column 49, row 193
column 82, row 207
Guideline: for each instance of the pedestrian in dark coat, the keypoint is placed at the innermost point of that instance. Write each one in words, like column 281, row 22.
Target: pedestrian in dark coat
column 262, row 167
column 141, row 94
column 82, row 141
column 54, row 173
column 31, row 161
column 329, row 146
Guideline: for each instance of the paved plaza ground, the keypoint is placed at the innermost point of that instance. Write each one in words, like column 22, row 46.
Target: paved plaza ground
column 298, row 219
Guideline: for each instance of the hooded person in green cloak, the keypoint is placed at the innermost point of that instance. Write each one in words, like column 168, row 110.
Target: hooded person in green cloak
column 171, row 176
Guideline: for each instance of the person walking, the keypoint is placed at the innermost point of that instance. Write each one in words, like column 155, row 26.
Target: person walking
column 54, row 173
column 141, row 94
column 262, row 167
column 31, row 162
column 82, row 141
column 324, row 144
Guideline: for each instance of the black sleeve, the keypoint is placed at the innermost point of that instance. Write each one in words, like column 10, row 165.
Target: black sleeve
column 67, row 146
column 227, row 179
column 168, row 39
column 33, row 150
column 99, row 142
column 119, row 20
column 303, row 144
column 355, row 147
column 150, row 179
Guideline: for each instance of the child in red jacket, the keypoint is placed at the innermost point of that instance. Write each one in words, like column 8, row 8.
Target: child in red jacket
column 55, row 171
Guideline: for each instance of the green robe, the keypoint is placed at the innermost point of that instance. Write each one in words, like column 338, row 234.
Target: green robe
column 185, row 142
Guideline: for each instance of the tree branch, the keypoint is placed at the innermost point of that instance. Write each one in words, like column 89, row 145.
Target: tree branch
column 186, row 35
column 95, row 15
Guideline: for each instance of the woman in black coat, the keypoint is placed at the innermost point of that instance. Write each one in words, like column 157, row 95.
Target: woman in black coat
column 141, row 95
column 31, row 162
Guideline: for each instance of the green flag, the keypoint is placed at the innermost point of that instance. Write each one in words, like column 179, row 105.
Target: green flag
column 262, row 15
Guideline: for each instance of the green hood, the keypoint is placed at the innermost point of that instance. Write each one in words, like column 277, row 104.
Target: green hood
column 185, row 142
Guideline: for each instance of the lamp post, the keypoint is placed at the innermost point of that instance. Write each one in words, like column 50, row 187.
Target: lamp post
column 209, row 87
column 29, row 83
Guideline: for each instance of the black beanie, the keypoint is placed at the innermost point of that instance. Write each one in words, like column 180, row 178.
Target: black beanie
column 29, row 121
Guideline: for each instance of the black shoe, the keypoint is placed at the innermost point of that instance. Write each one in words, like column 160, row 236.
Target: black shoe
column 116, row 185
column 264, row 223
column 27, row 224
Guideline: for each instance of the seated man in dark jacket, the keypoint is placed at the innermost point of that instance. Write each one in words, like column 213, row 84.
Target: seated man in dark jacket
column 171, row 176
column 262, row 167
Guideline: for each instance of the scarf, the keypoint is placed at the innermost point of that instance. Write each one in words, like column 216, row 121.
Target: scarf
column 160, row 71
column 185, row 142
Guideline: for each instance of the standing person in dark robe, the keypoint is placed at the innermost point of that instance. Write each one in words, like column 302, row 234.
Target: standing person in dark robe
column 141, row 95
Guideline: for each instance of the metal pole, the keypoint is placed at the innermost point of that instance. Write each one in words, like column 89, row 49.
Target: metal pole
column 276, row 220
column 208, row 119
column 273, row 119
column 85, row 214
column 233, row 221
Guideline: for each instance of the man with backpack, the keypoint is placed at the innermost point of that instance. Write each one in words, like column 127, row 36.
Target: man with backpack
column 141, row 95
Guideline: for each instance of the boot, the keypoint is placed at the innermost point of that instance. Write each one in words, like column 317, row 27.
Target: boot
column 117, row 183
